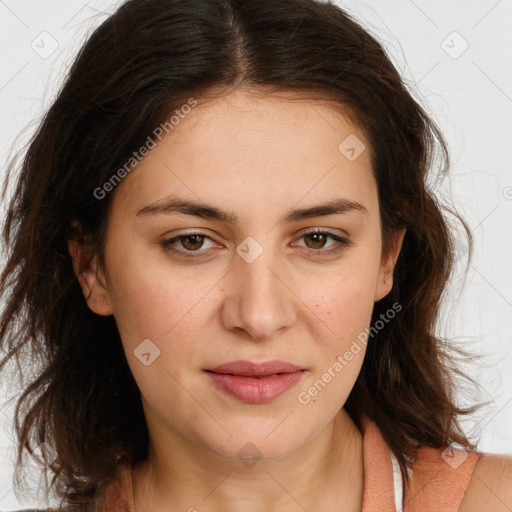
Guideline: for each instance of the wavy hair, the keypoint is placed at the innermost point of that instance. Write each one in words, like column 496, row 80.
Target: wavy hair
column 138, row 66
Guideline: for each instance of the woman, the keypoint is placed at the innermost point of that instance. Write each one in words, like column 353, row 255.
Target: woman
column 231, row 268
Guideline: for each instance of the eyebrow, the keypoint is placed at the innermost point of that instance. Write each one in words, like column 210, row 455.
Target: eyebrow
column 206, row 211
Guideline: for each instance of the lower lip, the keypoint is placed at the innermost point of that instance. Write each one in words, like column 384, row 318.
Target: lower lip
column 253, row 390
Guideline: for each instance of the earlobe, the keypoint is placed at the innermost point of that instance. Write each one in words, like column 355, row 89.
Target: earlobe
column 91, row 279
column 387, row 267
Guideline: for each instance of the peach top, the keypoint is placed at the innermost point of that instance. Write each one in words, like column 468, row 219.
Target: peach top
column 437, row 484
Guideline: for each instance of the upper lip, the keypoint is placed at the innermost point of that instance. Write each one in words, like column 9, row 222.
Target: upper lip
column 250, row 369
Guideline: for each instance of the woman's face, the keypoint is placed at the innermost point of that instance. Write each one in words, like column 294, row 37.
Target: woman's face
column 253, row 284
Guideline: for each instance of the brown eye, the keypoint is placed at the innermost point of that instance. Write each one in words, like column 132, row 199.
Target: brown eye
column 315, row 242
column 188, row 243
column 192, row 242
column 318, row 240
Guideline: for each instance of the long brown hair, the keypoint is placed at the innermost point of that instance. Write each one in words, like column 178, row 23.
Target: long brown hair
column 136, row 68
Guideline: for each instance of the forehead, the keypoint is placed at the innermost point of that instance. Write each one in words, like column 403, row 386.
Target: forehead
column 265, row 149
column 278, row 117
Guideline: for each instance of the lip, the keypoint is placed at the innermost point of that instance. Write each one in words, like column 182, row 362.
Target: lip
column 255, row 382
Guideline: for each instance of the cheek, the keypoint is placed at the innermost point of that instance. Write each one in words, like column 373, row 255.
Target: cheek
column 346, row 309
column 163, row 314
column 345, row 303
column 149, row 296
column 159, row 325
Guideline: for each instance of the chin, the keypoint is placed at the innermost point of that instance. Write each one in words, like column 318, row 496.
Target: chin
column 252, row 442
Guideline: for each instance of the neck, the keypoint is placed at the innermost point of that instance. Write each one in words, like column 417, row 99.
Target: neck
column 325, row 474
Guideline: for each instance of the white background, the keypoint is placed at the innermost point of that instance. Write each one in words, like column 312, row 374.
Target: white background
column 470, row 97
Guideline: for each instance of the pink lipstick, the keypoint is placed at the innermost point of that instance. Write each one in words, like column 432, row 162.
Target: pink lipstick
column 255, row 383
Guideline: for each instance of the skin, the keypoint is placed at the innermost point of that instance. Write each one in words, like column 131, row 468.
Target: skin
column 259, row 158
column 490, row 487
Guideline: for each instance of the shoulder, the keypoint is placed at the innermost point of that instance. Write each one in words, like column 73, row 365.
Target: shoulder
column 490, row 487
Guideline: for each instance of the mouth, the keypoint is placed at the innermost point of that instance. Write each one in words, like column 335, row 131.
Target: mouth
column 255, row 382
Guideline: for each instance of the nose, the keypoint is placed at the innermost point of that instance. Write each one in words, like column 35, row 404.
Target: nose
column 259, row 297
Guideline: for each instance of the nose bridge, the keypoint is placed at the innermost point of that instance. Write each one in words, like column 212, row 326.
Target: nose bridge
column 259, row 300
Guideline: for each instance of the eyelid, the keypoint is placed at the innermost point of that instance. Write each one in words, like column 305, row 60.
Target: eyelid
column 329, row 231
column 301, row 233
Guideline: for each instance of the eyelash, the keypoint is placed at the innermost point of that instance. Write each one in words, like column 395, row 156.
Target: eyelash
column 342, row 242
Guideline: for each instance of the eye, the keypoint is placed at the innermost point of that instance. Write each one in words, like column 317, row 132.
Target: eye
column 318, row 238
column 194, row 242
column 191, row 242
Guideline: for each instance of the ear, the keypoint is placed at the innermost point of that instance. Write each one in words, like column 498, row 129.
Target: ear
column 91, row 278
column 387, row 265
